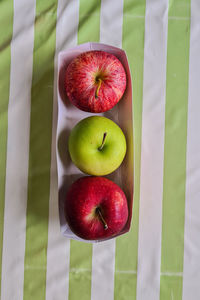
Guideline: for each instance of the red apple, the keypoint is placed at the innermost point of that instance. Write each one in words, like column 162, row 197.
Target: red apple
column 95, row 81
column 96, row 208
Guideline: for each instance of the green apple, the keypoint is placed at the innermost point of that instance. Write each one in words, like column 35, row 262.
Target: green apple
column 97, row 145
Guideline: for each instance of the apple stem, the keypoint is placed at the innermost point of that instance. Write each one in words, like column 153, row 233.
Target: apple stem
column 99, row 81
column 103, row 141
column 98, row 211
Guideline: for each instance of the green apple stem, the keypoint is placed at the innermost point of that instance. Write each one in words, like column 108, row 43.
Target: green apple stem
column 98, row 81
column 103, row 141
column 98, row 211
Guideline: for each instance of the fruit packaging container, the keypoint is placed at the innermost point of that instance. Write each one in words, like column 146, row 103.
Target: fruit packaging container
column 69, row 115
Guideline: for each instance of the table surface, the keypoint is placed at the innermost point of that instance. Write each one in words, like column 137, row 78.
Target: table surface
column 160, row 257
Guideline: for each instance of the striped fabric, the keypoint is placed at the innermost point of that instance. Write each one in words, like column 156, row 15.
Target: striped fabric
column 159, row 259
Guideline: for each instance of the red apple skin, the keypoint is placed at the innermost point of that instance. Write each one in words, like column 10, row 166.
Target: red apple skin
column 84, row 196
column 82, row 81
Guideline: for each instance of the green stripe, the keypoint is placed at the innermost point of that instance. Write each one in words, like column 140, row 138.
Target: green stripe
column 175, row 148
column 80, row 271
column 171, row 288
column 6, row 19
column 89, row 21
column 81, row 253
column 127, row 245
column 40, row 151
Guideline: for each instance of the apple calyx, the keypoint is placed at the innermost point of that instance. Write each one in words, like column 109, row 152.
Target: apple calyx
column 100, row 216
column 103, row 141
column 98, row 81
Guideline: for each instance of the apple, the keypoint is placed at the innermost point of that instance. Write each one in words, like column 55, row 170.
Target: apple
column 95, row 208
column 95, row 81
column 97, row 145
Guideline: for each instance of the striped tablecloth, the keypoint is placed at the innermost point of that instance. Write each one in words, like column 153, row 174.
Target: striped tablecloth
column 159, row 259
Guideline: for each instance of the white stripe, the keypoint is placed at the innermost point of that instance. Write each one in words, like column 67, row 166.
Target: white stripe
column 111, row 21
column 103, row 270
column 18, row 150
column 191, row 270
column 103, row 258
column 152, row 151
column 58, row 251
